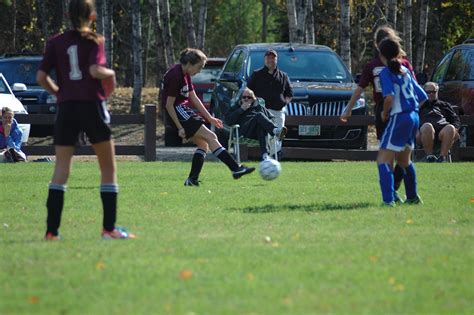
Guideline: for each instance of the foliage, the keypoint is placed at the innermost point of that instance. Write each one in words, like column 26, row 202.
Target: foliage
column 313, row 241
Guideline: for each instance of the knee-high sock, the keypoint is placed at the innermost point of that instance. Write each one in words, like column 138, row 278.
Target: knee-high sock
column 398, row 174
column 198, row 162
column 222, row 154
column 54, row 204
column 409, row 178
column 108, row 194
column 386, row 182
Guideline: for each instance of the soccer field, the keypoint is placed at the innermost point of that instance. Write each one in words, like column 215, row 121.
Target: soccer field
column 314, row 241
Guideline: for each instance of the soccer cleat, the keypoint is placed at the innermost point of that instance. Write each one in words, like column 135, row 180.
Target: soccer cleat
column 390, row 204
column 282, row 133
column 117, row 233
column 414, row 201
column 442, row 159
column 431, row 158
column 397, row 199
column 51, row 237
column 243, row 170
column 192, row 182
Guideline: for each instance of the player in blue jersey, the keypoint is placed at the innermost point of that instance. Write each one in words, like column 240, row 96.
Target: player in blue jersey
column 402, row 96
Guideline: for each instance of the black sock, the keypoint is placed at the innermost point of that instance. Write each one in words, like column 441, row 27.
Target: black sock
column 398, row 176
column 54, row 204
column 108, row 194
column 198, row 162
column 222, row 154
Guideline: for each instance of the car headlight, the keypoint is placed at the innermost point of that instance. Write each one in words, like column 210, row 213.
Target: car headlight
column 360, row 103
column 51, row 99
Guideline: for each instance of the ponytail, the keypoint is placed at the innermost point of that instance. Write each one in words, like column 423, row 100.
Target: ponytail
column 79, row 13
column 395, row 66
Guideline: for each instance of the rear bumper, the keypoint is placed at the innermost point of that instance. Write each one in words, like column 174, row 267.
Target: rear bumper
column 336, row 137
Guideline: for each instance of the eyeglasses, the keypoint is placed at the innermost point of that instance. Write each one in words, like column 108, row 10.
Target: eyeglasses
column 245, row 97
column 431, row 92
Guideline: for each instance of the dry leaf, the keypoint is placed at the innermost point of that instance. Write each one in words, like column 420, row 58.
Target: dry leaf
column 186, row 274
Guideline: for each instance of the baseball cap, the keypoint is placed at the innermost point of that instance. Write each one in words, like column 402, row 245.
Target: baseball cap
column 271, row 52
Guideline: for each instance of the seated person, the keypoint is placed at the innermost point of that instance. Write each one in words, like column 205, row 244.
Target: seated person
column 255, row 121
column 10, row 138
column 438, row 122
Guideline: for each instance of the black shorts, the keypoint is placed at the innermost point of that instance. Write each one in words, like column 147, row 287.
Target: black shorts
column 190, row 121
column 74, row 117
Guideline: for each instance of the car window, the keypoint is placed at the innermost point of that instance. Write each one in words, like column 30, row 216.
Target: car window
column 456, row 67
column 3, row 87
column 207, row 75
column 438, row 74
column 233, row 66
column 306, row 66
column 21, row 71
column 469, row 65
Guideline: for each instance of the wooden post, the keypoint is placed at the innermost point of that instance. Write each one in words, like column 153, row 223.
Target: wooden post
column 150, row 133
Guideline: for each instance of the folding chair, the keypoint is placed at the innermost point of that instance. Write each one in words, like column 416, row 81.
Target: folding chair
column 235, row 140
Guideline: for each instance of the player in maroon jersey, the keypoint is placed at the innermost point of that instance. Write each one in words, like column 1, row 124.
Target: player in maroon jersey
column 83, row 82
column 178, row 93
column 370, row 74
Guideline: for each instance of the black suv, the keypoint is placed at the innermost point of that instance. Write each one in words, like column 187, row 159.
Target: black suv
column 455, row 77
column 322, row 86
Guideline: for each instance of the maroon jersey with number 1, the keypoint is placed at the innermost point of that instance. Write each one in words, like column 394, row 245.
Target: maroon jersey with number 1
column 71, row 55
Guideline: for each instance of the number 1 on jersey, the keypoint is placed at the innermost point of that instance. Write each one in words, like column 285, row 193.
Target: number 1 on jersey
column 75, row 73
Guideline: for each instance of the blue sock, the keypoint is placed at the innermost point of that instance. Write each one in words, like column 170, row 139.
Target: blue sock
column 386, row 182
column 409, row 178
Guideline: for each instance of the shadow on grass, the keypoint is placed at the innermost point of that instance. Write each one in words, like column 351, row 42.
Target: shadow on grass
column 304, row 207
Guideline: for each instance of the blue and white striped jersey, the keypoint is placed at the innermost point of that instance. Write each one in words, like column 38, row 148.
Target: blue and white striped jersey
column 405, row 90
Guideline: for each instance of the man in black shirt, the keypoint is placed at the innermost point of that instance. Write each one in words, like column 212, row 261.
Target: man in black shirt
column 439, row 122
column 273, row 85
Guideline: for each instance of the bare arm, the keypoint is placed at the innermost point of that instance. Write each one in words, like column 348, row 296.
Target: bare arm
column 387, row 105
column 348, row 111
column 170, row 109
column 100, row 72
column 46, row 82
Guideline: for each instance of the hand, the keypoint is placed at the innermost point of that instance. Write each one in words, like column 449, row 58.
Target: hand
column 108, row 85
column 217, row 122
column 346, row 114
column 182, row 133
column 245, row 105
column 287, row 100
column 385, row 116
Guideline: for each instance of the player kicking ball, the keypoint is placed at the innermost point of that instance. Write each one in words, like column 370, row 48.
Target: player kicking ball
column 84, row 82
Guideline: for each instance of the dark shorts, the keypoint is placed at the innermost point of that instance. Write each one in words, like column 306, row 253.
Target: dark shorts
column 190, row 121
column 74, row 117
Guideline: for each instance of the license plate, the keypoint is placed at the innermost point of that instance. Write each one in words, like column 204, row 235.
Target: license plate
column 206, row 97
column 309, row 130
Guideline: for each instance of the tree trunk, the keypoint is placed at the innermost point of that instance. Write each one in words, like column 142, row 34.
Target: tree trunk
column 146, row 52
column 291, row 8
column 301, row 20
column 64, row 16
column 392, row 13
column 161, row 60
column 165, row 12
column 189, row 22
column 264, row 20
column 407, row 28
column 137, row 65
column 421, row 38
column 201, row 34
column 108, row 31
column 43, row 18
column 310, row 24
column 100, row 20
column 14, row 25
column 346, row 32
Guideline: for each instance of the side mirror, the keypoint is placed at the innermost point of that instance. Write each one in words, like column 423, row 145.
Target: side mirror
column 19, row 87
column 228, row 77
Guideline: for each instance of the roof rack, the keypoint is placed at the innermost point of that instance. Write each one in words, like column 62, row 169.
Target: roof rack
column 469, row 41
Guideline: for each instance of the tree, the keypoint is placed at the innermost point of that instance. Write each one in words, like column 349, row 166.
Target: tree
column 201, row 33
column 392, row 12
column 310, row 24
column 407, row 28
column 137, row 56
column 189, row 22
column 161, row 60
column 346, row 32
column 168, row 41
column 421, row 36
column 297, row 19
column 264, row 20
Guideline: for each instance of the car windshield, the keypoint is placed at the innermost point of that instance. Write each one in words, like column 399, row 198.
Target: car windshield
column 21, row 71
column 322, row 66
column 207, row 75
column 3, row 87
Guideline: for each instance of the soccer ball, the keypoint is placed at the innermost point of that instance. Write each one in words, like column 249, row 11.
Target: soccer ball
column 270, row 169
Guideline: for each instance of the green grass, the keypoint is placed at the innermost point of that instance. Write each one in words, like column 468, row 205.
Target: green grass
column 313, row 241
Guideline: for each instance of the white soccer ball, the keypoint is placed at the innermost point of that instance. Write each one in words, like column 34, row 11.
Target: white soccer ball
column 270, row 169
